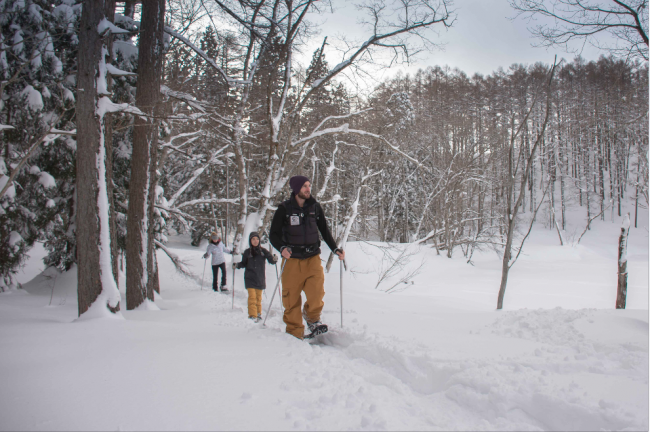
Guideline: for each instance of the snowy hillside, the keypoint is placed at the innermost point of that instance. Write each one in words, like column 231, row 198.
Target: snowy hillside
column 433, row 354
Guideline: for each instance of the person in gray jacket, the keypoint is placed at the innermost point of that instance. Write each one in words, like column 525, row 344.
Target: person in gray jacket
column 216, row 248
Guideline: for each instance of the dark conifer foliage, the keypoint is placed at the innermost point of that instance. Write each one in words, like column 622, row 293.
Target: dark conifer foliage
column 38, row 51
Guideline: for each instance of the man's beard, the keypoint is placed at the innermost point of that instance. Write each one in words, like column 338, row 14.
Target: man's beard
column 304, row 196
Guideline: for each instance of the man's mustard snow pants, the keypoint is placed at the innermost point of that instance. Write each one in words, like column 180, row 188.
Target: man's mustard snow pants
column 302, row 275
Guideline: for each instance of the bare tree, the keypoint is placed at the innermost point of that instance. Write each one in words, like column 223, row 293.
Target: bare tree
column 397, row 261
column 274, row 31
column 514, row 198
column 626, row 21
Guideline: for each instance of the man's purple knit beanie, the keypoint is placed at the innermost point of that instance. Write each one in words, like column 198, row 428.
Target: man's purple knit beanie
column 296, row 183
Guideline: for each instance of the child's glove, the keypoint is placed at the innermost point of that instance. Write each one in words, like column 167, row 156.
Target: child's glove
column 205, row 255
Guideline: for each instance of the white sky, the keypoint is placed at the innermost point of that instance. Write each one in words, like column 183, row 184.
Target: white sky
column 482, row 39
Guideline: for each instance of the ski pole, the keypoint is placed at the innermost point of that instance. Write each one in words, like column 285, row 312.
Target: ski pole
column 278, row 277
column 274, row 290
column 233, row 287
column 204, row 263
column 346, row 267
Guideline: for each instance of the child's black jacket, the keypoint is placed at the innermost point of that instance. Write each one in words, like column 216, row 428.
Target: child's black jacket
column 255, row 276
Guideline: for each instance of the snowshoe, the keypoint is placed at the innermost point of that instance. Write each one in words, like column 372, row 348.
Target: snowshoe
column 315, row 329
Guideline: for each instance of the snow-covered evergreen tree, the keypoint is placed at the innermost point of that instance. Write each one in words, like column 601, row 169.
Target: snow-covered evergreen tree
column 38, row 43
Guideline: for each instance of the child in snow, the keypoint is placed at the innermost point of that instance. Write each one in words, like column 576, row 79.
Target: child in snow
column 217, row 249
column 253, row 260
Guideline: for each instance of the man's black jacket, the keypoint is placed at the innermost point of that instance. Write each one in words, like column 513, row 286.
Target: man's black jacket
column 280, row 219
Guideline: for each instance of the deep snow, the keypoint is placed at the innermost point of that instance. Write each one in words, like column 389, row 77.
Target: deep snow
column 434, row 355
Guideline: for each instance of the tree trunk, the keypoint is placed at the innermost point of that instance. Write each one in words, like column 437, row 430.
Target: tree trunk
column 152, row 266
column 129, row 8
column 621, row 292
column 139, row 236
column 514, row 200
column 108, row 142
column 505, row 266
column 156, row 277
column 94, row 273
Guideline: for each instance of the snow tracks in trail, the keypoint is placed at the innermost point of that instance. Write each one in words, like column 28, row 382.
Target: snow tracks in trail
column 574, row 374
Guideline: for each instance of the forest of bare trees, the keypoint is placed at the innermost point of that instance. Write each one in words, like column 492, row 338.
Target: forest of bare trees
column 438, row 158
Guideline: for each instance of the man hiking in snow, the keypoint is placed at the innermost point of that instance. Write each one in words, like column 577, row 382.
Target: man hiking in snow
column 294, row 232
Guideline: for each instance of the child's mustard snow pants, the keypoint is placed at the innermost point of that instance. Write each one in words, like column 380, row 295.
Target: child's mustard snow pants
column 254, row 302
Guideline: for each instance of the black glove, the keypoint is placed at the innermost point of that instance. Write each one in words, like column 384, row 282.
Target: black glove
column 205, row 255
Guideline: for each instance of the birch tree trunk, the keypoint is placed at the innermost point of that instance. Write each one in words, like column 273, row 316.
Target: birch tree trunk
column 94, row 273
column 139, row 237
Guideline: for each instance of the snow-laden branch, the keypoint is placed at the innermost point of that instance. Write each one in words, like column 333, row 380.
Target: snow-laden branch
column 345, row 129
column 354, row 212
column 169, row 141
column 179, row 264
column 336, row 198
column 195, row 175
column 49, row 136
column 105, row 105
column 183, row 188
column 277, row 119
column 369, row 175
column 185, row 97
column 180, row 215
column 328, row 174
column 343, row 116
column 55, row 131
column 208, row 201
column 105, row 26
column 112, row 70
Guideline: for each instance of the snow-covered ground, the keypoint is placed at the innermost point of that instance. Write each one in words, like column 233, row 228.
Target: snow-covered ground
column 434, row 354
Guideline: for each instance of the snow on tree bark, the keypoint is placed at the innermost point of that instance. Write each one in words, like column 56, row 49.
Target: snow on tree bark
column 108, row 140
column 621, row 291
column 96, row 286
column 139, row 242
